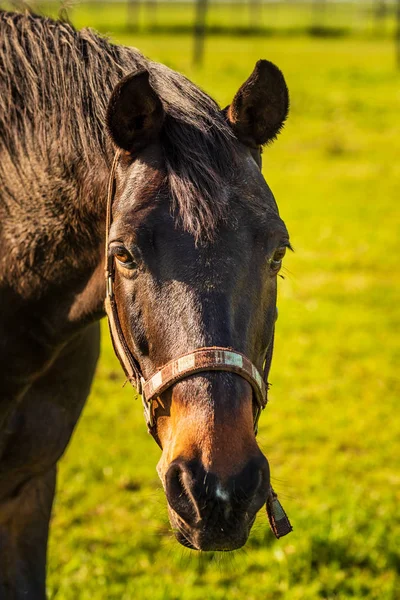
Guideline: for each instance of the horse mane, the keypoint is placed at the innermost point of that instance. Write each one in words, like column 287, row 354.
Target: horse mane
column 55, row 83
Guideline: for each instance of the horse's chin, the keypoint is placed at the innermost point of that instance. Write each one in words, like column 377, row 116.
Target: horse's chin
column 208, row 539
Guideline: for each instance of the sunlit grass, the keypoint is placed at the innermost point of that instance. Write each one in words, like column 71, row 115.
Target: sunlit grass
column 331, row 430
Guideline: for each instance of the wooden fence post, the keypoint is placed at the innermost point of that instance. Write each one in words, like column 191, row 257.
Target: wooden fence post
column 199, row 31
column 319, row 14
column 255, row 14
column 152, row 12
column 133, row 15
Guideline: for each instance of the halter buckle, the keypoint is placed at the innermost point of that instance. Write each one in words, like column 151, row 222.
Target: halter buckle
column 148, row 413
column 147, row 404
column 140, row 381
column 259, row 409
column 109, row 289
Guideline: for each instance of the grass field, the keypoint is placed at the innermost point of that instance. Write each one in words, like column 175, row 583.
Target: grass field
column 331, row 430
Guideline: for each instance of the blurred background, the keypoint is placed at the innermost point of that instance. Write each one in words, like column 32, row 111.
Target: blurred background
column 331, row 429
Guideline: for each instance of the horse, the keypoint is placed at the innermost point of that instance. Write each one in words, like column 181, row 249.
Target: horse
column 126, row 189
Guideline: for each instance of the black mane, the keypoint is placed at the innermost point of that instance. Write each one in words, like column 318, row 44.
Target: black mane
column 55, row 83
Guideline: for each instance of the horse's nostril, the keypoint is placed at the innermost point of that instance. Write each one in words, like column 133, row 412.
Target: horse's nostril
column 252, row 484
column 177, row 486
column 198, row 496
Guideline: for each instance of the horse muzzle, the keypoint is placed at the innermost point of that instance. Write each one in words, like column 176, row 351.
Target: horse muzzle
column 209, row 514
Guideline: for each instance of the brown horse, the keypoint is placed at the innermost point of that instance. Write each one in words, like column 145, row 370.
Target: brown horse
column 194, row 246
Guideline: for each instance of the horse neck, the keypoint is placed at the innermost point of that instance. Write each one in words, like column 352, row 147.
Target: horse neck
column 54, row 154
column 53, row 191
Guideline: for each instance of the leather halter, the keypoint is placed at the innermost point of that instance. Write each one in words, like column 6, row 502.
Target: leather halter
column 213, row 358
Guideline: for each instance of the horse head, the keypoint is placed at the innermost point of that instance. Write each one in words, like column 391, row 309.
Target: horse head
column 194, row 246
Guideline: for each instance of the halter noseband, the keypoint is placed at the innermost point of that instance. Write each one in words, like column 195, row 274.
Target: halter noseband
column 211, row 358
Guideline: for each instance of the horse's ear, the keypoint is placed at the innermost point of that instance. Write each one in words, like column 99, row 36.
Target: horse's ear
column 135, row 113
column 260, row 107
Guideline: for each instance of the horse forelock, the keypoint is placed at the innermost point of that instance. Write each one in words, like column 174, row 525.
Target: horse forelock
column 54, row 89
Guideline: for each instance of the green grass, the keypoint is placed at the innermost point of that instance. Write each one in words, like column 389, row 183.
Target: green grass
column 331, row 430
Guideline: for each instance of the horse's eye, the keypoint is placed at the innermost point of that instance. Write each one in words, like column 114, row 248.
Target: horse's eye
column 124, row 257
column 275, row 262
